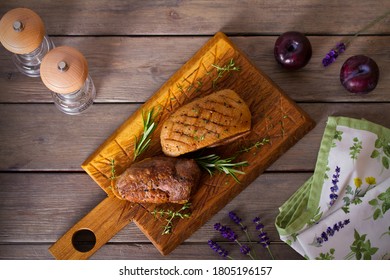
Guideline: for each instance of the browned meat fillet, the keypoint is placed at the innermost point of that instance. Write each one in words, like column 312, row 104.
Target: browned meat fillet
column 158, row 180
column 205, row 122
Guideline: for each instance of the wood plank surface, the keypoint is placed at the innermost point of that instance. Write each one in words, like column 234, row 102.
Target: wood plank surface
column 273, row 116
column 38, row 216
column 200, row 17
column 131, row 69
column 146, row 251
column 132, row 48
column 29, row 141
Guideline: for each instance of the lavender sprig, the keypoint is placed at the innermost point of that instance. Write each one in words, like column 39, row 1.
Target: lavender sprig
column 238, row 221
column 245, row 250
column 226, row 232
column 218, row 249
column 230, row 235
column 329, row 232
column 334, row 188
column 332, row 55
column 263, row 238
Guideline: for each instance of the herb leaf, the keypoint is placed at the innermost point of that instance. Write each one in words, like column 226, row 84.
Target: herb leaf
column 149, row 126
column 221, row 70
column 168, row 227
column 256, row 145
column 113, row 171
column 212, row 163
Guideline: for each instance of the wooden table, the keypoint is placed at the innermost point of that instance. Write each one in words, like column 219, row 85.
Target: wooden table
column 132, row 48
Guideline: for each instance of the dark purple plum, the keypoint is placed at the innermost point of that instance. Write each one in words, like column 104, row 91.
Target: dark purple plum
column 292, row 50
column 359, row 74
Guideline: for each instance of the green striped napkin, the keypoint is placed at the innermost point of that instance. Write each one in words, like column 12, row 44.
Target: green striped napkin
column 341, row 212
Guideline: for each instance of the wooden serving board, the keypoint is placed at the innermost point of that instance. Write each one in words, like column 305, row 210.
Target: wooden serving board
column 275, row 118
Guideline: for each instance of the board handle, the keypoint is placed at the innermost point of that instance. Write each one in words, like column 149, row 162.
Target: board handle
column 94, row 230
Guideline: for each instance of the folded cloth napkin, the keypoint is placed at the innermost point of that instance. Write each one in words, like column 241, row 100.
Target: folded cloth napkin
column 341, row 212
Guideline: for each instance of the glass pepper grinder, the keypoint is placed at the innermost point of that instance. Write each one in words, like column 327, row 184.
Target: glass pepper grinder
column 22, row 32
column 64, row 71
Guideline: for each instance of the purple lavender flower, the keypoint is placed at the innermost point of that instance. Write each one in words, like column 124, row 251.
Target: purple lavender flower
column 263, row 238
column 340, row 47
column 230, row 235
column 324, row 236
column 330, row 231
column 237, row 220
column 332, row 55
column 245, row 250
column 233, row 216
column 334, row 188
column 218, row 249
column 226, row 232
column 259, row 226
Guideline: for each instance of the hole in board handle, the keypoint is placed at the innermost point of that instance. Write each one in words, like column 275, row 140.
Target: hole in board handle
column 84, row 240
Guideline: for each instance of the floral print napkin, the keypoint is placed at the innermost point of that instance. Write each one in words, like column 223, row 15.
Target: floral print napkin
column 341, row 212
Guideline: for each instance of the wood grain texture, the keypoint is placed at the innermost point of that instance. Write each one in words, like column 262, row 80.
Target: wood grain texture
column 23, row 39
column 30, row 142
column 72, row 77
column 132, row 48
column 103, row 222
column 42, row 216
column 201, row 17
column 132, row 69
column 274, row 117
column 142, row 251
column 31, row 213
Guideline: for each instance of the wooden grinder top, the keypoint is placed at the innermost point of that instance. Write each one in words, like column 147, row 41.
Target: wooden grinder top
column 21, row 31
column 64, row 70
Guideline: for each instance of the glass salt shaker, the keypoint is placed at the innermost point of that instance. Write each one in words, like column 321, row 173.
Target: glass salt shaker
column 22, row 32
column 64, row 71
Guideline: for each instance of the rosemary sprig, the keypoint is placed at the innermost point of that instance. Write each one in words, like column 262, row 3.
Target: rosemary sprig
column 149, row 126
column 222, row 70
column 112, row 164
column 212, row 163
column 256, row 145
column 170, row 214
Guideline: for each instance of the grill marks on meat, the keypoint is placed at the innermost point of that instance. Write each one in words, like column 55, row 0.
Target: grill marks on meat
column 158, row 180
column 207, row 121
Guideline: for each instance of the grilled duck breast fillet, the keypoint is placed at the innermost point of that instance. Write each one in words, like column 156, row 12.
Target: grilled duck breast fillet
column 158, row 180
column 205, row 122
